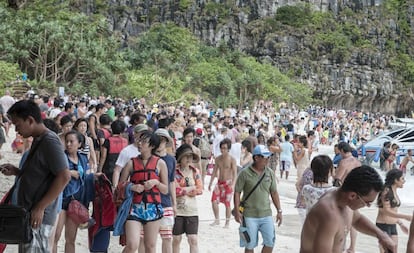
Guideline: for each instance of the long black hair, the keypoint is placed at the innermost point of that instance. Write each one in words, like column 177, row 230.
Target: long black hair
column 391, row 176
column 152, row 138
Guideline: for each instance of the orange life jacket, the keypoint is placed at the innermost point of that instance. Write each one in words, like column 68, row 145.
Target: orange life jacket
column 142, row 173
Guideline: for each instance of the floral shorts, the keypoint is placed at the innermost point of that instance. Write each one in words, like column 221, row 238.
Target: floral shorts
column 146, row 212
column 223, row 192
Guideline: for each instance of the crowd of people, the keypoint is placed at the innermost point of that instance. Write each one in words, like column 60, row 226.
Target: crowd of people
column 156, row 158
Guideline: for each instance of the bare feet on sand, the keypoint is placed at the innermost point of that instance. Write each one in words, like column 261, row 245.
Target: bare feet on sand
column 227, row 225
column 215, row 223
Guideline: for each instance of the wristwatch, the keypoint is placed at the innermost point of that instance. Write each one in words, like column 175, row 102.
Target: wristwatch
column 279, row 210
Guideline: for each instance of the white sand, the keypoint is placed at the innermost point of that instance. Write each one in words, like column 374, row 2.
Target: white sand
column 218, row 239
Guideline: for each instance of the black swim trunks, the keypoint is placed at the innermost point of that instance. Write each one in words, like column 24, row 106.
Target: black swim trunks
column 390, row 229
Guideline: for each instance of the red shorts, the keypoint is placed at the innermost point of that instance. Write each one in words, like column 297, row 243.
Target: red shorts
column 223, row 192
column 403, row 168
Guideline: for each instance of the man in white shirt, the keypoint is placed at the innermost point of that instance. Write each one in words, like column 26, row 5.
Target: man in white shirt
column 56, row 110
column 216, row 142
column 6, row 102
column 235, row 151
column 82, row 109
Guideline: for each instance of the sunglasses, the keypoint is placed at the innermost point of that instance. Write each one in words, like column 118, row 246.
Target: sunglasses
column 366, row 203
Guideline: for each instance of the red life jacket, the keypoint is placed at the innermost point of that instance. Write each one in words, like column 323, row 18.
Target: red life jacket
column 106, row 133
column 116, row 144
column 143, row 173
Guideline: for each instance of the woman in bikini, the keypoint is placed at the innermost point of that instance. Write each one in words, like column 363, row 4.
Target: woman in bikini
column 388, row 203
column 389, row 164
column 407, row 158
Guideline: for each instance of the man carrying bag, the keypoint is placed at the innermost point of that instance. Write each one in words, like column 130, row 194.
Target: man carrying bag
column 43, row 176
column 258, row 182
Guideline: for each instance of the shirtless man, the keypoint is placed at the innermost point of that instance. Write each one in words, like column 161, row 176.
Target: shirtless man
column 346, row 165
column 225, row 169
column 407, row 158
column 328, row 222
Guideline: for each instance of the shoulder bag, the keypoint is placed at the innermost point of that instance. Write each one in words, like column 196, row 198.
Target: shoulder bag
column 15, row 225
column 243, row 202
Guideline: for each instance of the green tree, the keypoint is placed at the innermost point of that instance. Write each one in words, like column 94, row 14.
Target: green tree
column 8, row 72
column 59, row 46
column 62, row 48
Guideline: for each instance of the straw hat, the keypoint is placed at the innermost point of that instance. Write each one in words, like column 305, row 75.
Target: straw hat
column 164, row 133
column 184, row 150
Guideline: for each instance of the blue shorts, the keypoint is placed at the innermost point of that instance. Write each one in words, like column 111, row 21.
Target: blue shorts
column 265, row 226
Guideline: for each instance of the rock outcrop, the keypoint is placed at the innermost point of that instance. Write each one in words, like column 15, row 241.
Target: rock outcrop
column 358, row 78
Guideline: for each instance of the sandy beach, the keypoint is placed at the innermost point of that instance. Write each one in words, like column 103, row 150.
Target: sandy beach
column 226, row 240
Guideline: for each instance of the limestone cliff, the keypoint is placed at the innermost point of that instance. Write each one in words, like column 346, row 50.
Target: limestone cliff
column 360, row 75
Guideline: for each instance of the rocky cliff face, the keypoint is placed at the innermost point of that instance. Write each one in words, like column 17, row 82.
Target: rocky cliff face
column 354, row 79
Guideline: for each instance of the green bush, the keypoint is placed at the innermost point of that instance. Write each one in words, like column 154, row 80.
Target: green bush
column 296, row 16
column 185, row 4
column 8, row 72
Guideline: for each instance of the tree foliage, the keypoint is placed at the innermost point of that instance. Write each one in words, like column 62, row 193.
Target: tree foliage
column 61, row 48
column 170, row 56
column 58, row 46
column 8, row 72
column 349, row 32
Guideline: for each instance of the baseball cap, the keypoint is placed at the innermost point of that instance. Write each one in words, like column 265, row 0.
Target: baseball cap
column 199, row 131
column 163, row 133
column 261, row 150
column 140, row 128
